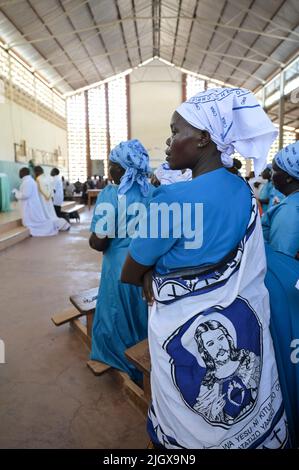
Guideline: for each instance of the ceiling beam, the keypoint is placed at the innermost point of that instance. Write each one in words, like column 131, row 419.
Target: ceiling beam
column 261, row 16
column 154, row 18
column 116, row 51
column 240, row 43
column 38, row 51
column 176, row 30
column 81, row 42
column 99, row 35
column 190, row 32
column 53, row 19
column 275, row 47
column 234, row 36
column 244, row 71
column 123, row 33
column 213, row 35
column 136, row 30
column 159, row 27
column 56, row 40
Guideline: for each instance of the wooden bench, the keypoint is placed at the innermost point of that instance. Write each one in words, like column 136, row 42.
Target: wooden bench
column 139, row 356
column 84, row 306
column 72, row 212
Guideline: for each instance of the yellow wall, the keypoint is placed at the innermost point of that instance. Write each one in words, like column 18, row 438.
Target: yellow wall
column 18, row 123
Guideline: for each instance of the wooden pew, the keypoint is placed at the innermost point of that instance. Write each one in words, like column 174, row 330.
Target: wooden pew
column 84, row 306
column 139, row 356
column 73, row 212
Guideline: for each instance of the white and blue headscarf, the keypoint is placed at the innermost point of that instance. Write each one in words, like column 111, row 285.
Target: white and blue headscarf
column 288, row 159
column 132, row 156
column 235, row 121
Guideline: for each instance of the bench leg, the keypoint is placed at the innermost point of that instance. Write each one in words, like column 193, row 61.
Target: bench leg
column 89, row 320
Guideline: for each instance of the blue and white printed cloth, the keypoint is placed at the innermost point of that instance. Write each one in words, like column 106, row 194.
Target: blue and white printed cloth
column 133, row 157
column 214, row 378
column 235, row 121
column 167, row 176
column 288, row 159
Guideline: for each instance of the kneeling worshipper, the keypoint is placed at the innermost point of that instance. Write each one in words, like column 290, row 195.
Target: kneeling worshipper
column 214, row 379
column 281, row 232
column 165, row 175
column 31, row 209
column 121, row 315
column 46, row 194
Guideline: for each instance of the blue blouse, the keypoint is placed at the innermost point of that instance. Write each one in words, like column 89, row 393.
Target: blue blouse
column 226, row 208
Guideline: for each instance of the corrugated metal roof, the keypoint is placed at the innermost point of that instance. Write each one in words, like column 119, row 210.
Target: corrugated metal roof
column 74, row 43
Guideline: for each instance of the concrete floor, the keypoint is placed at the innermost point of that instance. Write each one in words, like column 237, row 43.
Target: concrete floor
column 48, row 397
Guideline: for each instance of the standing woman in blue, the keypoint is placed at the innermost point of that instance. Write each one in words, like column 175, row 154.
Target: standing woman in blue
column 121, row 315
column 281, row 233
column 281, row 222
column 214, row 379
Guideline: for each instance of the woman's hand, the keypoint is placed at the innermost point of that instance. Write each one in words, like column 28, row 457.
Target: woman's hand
column 98, row 244
column 147, row 287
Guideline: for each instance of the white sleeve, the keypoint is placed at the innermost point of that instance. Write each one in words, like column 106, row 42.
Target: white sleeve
column 25, row 191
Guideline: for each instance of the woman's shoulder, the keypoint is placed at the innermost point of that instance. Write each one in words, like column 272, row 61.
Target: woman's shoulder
column 108, row 194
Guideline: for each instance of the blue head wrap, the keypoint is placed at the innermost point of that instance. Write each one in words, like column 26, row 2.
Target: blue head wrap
column 133, row 157
column 288, row 159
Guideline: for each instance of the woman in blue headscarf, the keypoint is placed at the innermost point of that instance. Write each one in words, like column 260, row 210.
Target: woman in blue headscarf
column 281, row 233
column 281, row 222
column 121, row 314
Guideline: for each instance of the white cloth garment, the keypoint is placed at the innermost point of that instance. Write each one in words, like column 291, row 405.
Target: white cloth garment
column 235, row 121
column 167, row 176
column 57, row 190
column 46, row 194
column 214, row 385
column 31, row 209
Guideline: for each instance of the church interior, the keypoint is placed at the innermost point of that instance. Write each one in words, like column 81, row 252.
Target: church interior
column 77, row 77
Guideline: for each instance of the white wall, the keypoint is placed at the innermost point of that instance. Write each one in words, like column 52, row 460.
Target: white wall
column 18, row 123
column 155, row 92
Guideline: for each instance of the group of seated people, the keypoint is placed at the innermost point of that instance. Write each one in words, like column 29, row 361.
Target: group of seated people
column 219, row 314
column 40, row 198
column 80, row 189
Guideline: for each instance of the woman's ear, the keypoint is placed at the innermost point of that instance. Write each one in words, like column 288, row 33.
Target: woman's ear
column 204, row 139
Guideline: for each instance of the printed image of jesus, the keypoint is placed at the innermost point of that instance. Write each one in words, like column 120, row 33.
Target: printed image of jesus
column 230, row 384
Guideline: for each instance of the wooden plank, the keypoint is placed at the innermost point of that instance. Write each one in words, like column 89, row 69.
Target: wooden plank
column 97, row 367
column 140, row 357
column 65, row 316
column 147, row 387
column 77, row 208
column 133, row 392
column 89, row 322
column 81, row 330
column 86, row 301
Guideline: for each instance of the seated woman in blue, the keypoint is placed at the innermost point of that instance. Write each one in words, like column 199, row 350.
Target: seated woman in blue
column 214, row 379
column 120, row 319
column 281, row 222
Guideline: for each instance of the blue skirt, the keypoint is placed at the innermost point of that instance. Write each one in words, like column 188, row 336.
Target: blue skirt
column 121, row 314
column 282, row 276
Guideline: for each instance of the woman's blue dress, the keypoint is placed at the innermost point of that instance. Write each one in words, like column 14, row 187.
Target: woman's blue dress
column 283, row 286
column 121, row 314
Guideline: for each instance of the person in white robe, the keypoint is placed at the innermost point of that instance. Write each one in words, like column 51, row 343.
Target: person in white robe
column 57, row 190
column 31, row 209
column 45, row 189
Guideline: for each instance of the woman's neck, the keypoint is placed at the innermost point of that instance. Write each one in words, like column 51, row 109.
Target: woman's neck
column 291, row 189
column 207, row 163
